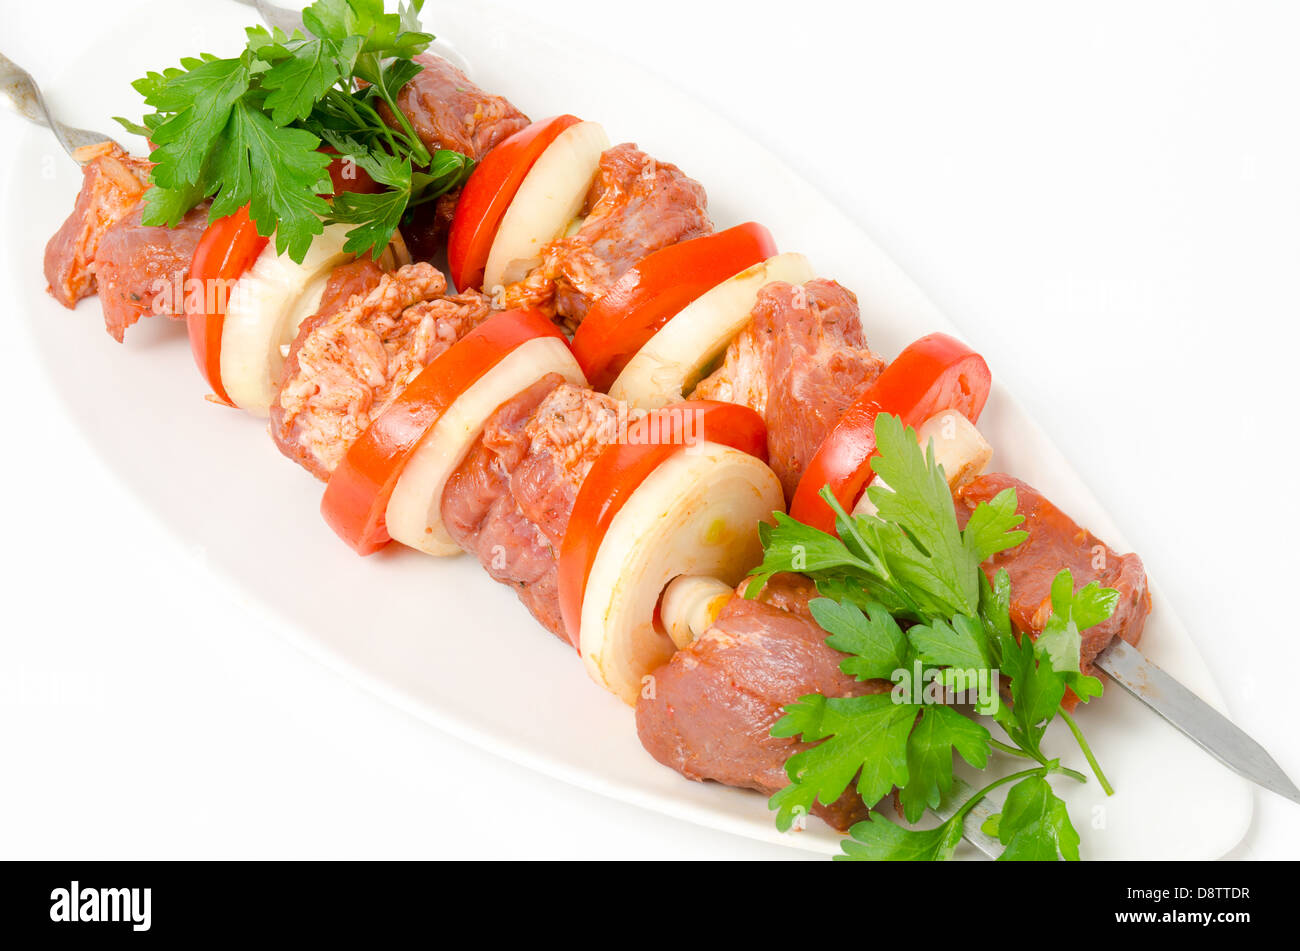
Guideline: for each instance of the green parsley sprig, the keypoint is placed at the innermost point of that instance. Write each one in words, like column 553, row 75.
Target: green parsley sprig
column 248, row 130
column 903, row 594
column 1033, row 825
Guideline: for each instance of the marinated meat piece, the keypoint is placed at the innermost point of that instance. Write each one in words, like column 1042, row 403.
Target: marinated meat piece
column 112, row 183
column 509, row 501
column 800, row 363
column 450, row 112
column 347, row 364
column 426, row 233
column 1055, row 541
column 356, row 277
column 481, row 515
column 141, row 270
column 636, row 205
column 711, row 711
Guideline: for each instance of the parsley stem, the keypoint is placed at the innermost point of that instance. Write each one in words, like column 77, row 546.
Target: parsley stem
column 352, row 105
column 1039, row 758
column 960, row 815
column 383, row 127
column 1008, row 748
column 420, row 154
column 878, row 566
column 1042, row 771
column 1087, row 751
column 1072, row 773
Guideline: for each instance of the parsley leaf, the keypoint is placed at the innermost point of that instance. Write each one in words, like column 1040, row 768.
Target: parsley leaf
column 992, row 527
column 289, row 172
column 201, row 99
column 872, row 637
column 877, row 648
column 960, row 642
column 1072, row 613
column 376, row 216
column 248, row 130
column 905, row 597
column 995, row 605
column 169, row 205
column 793, row 546
column 863, row 736
column 876, row 839
column 1034, row 824
column 1041, row 670
column 930, row 746
column 917, row 523
column 298, row 81
column 910, row 556
column 1036, row 693
column 926, row 546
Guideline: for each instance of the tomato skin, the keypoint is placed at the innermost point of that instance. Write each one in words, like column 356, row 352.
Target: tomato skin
column 357, row 494
column 651, row 292
column 622, row 467
column 225, row 251
column 933, row 374
column 487, row 194
column 228, row 248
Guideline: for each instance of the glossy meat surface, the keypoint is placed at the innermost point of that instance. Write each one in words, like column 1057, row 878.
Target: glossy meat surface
column 111, row 186
column 448, row 111
column 636, row 205
column 141, row 271
column 1056, row 541
column 800, row 363
column 711, row 708
column 351, row 360
column 509, row 501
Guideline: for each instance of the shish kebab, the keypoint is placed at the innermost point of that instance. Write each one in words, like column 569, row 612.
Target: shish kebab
column 630, row 263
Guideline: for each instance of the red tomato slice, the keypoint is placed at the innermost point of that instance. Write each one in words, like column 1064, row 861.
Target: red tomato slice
column 356, row 496
column 651, row 292
column 227, row 248
column 621, row 468
column 934, row 374
column 488, row 193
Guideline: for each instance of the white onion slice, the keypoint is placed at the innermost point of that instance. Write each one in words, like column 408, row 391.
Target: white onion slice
column 414, row 514
column 697, row 514
column 672, row 361
column 690, row 605
column 959, row 447
column 265, row 308
column 550, row 196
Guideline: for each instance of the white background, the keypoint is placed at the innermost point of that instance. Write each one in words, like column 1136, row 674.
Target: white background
column 1105, row 199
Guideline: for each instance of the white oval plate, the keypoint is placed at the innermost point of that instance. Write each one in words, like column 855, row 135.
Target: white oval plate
column 438, row 638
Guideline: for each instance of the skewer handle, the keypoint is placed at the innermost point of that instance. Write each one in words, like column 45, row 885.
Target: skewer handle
column 26, row 96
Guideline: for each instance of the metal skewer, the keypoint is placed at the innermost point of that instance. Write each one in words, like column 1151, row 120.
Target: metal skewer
column 1125, row 664
column 26, row 96
column 979, row 813
column 278, row 17
column 1195, row 718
